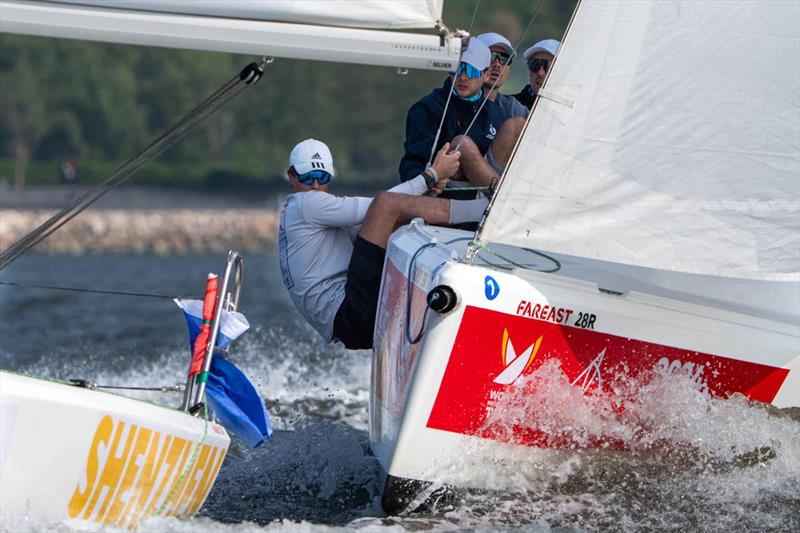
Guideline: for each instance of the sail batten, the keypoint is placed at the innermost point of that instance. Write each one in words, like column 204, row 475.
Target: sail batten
column 667, row 137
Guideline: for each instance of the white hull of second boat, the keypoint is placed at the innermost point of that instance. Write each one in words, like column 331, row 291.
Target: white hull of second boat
column 89, row 458
column 431, row 402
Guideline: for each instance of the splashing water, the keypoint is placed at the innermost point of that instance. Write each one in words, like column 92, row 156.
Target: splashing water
column 660, row 454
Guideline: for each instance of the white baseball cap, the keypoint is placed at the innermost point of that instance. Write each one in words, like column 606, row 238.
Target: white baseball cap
column 477, row 54
column 309, row 155
column 548, row 45
column 495, row 39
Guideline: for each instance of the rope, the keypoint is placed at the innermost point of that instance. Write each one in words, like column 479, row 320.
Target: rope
column 485, row 98
column 441, row 125
column 522, row 36
column 409, row 293
column 505, row 65
column 92, row 291
column 555, row 261
column 409, row 286
column 178, row 387
column 471, row 188
column 88, row 384
column 226, row 92
column 189, row 466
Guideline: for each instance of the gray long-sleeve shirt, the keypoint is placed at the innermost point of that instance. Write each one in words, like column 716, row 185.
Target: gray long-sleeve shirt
column 315, row 241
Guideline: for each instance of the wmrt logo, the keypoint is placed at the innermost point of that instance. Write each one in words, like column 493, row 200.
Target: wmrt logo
column 514, row 365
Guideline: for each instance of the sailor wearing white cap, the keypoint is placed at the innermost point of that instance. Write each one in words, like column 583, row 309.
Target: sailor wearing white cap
column 473, row 71
column 332, row 248
column 457, row 113
column 539, row 58
column 502, row 57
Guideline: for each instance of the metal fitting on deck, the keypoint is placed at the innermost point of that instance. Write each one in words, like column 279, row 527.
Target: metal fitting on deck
column 442, row 299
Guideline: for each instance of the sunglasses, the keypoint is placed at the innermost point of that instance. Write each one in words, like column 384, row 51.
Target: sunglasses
column 471, row 71
column 504, row 59
column 308, row 178
column 535, row 64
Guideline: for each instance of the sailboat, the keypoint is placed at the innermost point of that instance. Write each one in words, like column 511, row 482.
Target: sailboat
column 647, row 222
column 87, row 457
column 647, row 226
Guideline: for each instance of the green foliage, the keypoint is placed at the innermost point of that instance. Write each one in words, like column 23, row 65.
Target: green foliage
column 102, row 103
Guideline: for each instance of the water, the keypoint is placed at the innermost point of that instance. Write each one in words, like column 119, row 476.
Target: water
column 693, row 463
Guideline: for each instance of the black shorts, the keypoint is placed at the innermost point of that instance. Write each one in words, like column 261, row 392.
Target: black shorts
column 355, row 319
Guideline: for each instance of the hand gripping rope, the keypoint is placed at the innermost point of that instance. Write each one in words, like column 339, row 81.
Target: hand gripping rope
column 230, row 89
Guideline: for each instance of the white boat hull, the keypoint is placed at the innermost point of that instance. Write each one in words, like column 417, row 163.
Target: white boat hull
column 431, row 402
column 90, row 458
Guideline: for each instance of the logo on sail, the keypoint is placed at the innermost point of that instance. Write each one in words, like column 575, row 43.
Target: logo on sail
column 515, row 364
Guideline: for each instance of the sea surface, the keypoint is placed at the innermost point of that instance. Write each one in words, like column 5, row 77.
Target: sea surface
column 695, row 463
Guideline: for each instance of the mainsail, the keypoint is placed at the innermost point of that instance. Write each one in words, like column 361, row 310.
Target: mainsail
column 667, row 136
column 325, row 30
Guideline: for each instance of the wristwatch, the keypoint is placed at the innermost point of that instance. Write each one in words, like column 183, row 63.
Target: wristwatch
column 430, row 177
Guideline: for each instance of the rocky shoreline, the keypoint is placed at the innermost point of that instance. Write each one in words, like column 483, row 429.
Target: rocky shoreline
column 160, row 231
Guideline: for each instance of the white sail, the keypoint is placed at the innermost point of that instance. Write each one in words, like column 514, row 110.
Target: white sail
column 667, row 136
column 324, row 30
column 377, row 14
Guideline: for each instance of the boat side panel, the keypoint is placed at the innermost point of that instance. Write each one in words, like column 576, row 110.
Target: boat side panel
column 394, row 358
column 91, row 458
column 493, row 351
column 722, row 352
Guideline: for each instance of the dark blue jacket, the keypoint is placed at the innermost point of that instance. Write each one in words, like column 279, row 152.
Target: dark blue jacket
column 423, row 121
column 526, row 96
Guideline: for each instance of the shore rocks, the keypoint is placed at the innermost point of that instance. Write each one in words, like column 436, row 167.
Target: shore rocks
column 161, row 231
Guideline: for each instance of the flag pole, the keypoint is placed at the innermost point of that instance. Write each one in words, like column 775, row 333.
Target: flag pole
column 228, row 301
column 200, row 344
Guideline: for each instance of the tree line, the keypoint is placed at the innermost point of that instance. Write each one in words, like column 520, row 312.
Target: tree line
column 99, row 104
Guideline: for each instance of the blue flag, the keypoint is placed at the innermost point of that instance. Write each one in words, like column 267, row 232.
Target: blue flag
column 233, row 399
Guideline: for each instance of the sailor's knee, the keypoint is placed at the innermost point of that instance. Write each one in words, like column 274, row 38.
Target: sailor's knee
column 465, row 144
column 512, row 126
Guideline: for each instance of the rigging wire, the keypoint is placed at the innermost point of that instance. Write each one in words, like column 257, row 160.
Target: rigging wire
column 486, row 96
column 505, row 65
column 474, row 12
column 88, row 384
column 230, row 89
column 93, row 291
column 449, row 95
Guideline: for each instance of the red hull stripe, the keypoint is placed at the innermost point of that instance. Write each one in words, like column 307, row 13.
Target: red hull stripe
column 476, row 371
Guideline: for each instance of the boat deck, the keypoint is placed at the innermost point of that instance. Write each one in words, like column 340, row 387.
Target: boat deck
column 771, row 300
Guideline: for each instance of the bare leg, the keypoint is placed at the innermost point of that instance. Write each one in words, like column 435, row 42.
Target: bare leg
column 506, row 138
column 473, row 166
column 389, row 211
